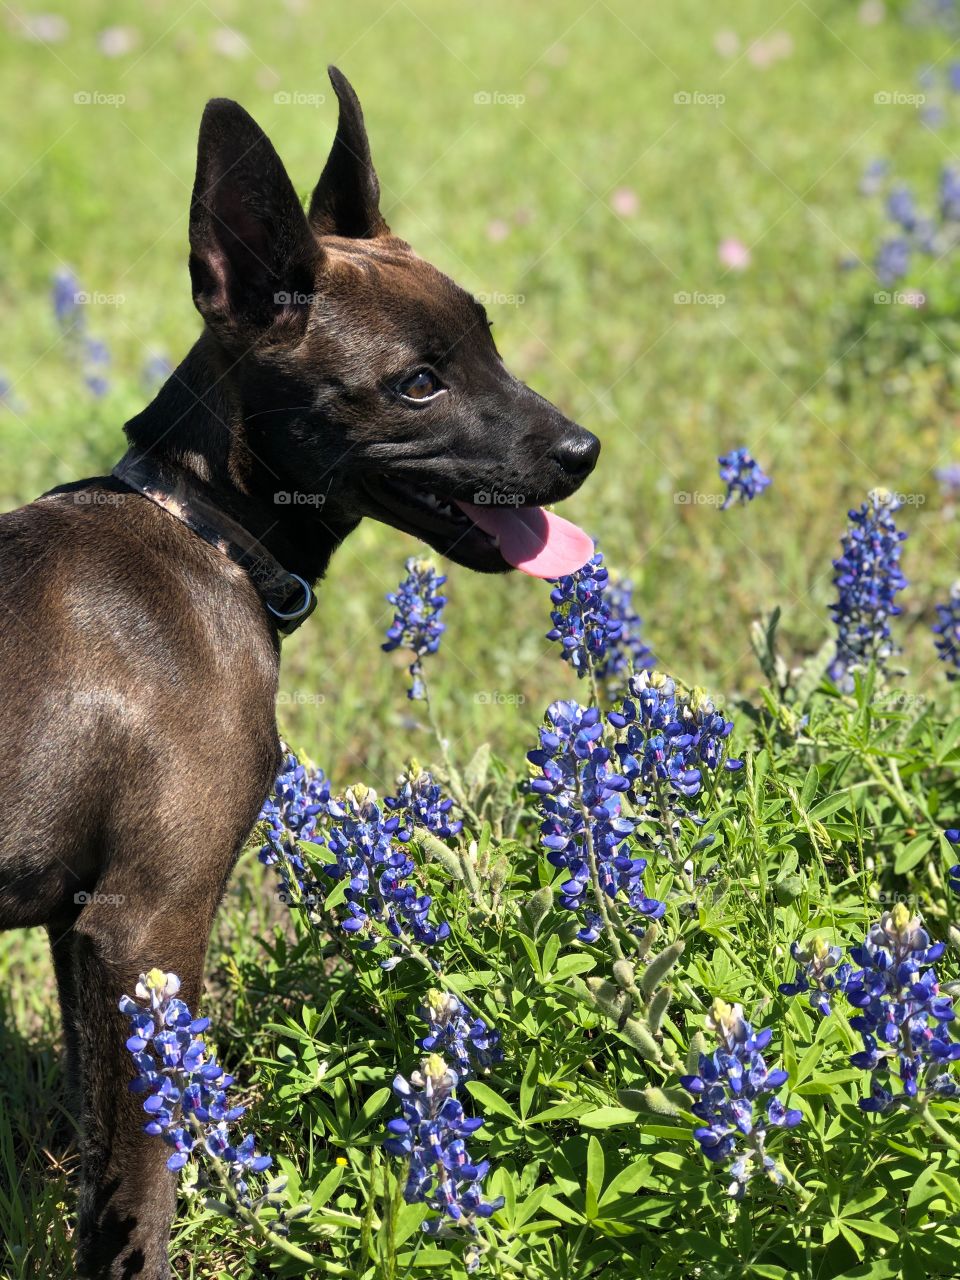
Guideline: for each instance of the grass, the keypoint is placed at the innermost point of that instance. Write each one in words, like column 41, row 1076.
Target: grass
column 833, row 393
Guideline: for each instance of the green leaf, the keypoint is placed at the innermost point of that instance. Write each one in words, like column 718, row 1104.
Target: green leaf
column 912, row 853
column 528, row 1084
column 608, row 1118
column 491, row 1101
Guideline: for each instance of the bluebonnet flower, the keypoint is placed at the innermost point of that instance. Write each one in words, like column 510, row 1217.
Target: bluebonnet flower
column 625, row 651
column 743, row 476
column 65, row 296
column 417, row 623
column 819, row 973
column 300, row 800
column 901, row 208
column 186, row 1088
column 584, row 621
column 873, row 177
column 903, row 1019
column 420, row 802
column 580, row 796
column 431, row 1136
column 92, row 353
column 948, row 478
column 867, row 579
column 727, row 1087
column 156, row 370
column 947, row 631
column 454, row 1031
column 669, row 737
column 892, row 261
column 950, row 194
column 364, row 844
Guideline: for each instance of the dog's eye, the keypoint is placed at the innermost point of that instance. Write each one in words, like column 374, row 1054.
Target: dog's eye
column 420, row 386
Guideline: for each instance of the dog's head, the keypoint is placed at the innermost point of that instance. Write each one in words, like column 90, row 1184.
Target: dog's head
column 363, row 373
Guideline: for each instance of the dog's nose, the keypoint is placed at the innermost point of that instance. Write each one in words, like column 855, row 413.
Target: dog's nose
column 577, row 453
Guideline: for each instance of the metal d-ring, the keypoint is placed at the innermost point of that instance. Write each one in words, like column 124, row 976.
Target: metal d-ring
column 303, row 609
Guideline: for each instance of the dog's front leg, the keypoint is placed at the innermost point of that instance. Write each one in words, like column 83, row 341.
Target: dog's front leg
column 127, row 1194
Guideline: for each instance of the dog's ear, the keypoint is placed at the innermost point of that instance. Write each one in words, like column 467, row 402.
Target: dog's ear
column 346, row 201
column 251, row 247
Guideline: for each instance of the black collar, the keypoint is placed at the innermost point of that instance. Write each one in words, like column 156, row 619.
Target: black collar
column 288, row 598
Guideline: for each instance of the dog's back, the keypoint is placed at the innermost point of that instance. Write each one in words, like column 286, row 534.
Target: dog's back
column 113, row 672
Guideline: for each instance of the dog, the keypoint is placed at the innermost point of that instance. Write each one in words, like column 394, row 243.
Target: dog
column 144, row 610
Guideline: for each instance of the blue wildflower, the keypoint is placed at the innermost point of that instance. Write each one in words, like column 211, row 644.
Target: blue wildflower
column 580, row 798
column 743, row 476
column 728, row 1085
column 902, row 1018
column 668, row 737
column 417, row 624
column 948, row 478
column 431, row 1136
column 892, row 261
column 819, row 973
column 901, row 208
column 947, row 631
column 186, row 1088
column 950, row 194
column 156, row 370
column 456, row 1033
column 874, row 175
column 583, row 616
column 92, row 353
column 625, row 650
column 364, row 844
column 299, row 802
column 867, row 579
column 420, row 802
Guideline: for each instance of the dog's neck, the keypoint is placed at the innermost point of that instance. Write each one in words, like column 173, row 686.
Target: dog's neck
column 193, row 433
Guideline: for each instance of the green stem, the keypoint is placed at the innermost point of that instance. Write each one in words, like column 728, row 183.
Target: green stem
column 935, row 1127
column 453, row 773
column 226, row 1189
column 896, row 790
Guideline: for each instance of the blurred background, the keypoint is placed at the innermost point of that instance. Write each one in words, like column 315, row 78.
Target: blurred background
column 695, row 226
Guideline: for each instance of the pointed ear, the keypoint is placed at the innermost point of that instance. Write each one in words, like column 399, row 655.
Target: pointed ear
column 251, row 247
column 346, row 201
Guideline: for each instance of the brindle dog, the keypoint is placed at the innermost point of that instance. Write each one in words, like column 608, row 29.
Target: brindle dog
column 143, row 610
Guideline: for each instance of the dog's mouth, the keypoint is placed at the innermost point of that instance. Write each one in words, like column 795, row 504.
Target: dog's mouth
column 497, row 533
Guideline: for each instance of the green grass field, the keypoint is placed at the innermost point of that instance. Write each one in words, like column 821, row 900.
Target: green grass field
column 581, row 211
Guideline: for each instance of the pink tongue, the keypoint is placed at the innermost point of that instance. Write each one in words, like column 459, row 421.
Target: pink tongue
column 533, row 540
